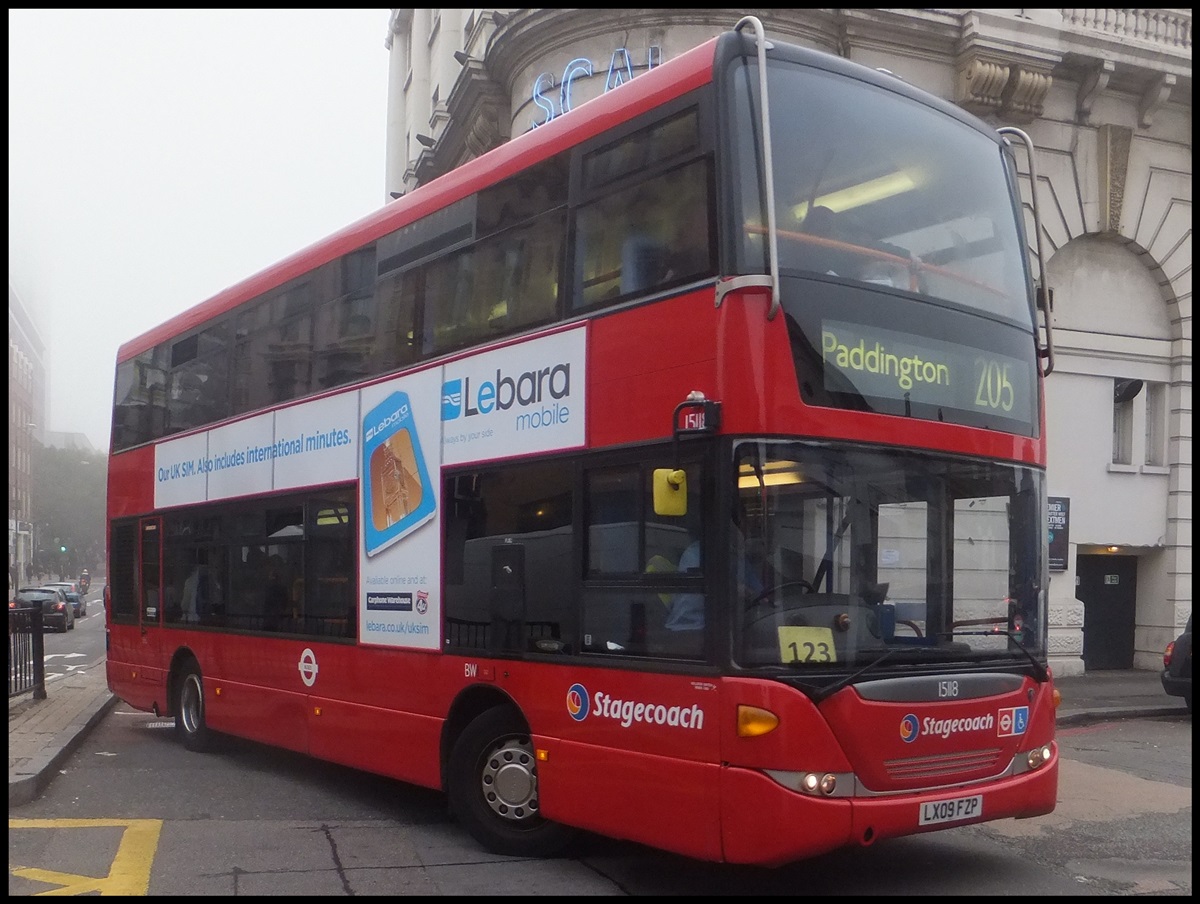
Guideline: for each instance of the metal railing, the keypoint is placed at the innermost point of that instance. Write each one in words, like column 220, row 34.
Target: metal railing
column 26, row 653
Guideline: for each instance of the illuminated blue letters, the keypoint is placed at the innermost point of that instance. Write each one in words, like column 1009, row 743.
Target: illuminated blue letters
column 620, row 70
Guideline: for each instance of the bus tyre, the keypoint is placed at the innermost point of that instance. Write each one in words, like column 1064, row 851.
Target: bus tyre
column 190, row 726
column 493, row 788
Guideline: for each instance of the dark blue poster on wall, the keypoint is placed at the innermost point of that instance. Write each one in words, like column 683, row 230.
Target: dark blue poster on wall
column 1058, row 510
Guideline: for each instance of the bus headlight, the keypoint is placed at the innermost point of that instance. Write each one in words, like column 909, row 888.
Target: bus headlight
column 815, row 782
column 1038, row 756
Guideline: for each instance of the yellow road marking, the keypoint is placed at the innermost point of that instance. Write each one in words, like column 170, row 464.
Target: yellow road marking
column 130, row 870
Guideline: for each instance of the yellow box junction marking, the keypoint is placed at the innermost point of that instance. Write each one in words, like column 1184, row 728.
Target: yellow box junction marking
column 130, row 870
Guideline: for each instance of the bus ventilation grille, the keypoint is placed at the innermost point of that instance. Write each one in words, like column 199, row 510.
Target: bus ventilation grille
column 942, row 765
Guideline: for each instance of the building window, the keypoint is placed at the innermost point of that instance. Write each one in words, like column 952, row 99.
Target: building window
column 1156, row 424
column 1124, row 392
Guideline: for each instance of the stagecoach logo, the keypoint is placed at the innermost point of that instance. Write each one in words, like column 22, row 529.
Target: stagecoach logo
column 577, row 702
column 604, row 706
column 1011, row 721
column 308, row 667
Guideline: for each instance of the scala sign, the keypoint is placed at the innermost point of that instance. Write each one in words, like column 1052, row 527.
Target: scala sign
column 620, row 70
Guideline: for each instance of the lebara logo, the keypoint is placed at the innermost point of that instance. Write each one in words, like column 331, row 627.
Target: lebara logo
column 577, row 702
column 538, row 397
column 909, row 728
column 451, row 399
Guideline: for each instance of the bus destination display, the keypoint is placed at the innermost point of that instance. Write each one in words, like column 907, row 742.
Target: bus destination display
column 885, row 364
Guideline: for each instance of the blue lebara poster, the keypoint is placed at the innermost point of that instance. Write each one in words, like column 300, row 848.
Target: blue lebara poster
column 397, row 494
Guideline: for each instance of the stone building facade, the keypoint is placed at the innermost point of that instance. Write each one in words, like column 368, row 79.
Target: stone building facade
column 1106, row 96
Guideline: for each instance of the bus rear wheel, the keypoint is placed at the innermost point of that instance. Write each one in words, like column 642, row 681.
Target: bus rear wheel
column 190, row 725
column 493, row 788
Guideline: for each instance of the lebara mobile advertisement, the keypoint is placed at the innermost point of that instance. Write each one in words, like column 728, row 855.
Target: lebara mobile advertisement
column 400, row 438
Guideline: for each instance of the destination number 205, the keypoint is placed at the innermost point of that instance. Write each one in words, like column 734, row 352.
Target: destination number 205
column 994, row 388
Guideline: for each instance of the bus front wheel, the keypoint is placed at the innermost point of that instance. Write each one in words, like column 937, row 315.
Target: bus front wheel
column 493, row 788
column 190, row 726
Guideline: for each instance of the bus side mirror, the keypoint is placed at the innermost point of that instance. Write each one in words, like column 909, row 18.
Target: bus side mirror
column 670, row 491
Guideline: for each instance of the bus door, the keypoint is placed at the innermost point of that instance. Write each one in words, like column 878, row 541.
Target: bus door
column 150, row 593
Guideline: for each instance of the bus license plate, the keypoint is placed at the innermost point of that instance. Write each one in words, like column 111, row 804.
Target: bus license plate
column 959, row 808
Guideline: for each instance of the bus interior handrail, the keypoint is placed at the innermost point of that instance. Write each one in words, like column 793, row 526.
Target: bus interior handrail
column 912, row 264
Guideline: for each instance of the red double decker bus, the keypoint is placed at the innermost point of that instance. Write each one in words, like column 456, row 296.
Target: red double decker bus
column 675, row 471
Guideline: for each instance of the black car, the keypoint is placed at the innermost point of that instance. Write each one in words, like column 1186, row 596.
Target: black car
column 1177, row 666
column 56, row 610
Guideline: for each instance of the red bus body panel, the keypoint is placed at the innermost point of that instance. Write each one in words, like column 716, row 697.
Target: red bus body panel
column 657, row 353
column 763, row 825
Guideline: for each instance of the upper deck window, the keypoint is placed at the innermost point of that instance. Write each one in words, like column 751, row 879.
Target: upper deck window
column 661, row 142
column 874, row 187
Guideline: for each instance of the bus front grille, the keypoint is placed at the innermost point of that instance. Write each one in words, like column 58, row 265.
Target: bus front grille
column 943, row 765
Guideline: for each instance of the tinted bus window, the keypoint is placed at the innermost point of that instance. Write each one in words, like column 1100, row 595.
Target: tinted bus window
column 525, row 195
column 648, row 236
column 140, row 410
column 898, row 195
column 509, row 541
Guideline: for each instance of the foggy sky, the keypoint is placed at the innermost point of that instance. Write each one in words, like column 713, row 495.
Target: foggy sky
column 157, row 157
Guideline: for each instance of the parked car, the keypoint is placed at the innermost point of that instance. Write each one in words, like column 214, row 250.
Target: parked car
column 1177, row 666
column 56, row 611
column 74, row 593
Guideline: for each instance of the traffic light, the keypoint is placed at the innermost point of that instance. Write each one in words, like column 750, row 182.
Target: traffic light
column 62, row 549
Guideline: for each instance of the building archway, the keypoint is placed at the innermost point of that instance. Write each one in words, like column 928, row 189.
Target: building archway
column 1110, row 418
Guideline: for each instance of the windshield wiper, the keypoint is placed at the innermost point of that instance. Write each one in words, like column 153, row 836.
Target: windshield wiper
column 1040, row 670
column 832, row 689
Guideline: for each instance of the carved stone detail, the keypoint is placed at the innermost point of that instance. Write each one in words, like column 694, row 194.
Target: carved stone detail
column 1154, row 97
column 1090, row 88
column 484, row 133
column 1112, row 147
column 1024, row 94
column 981, row 85
column 1058, row 644
column 1069, row 615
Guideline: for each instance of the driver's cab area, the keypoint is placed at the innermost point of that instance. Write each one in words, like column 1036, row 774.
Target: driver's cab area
column 844, row 553
column 801, row 581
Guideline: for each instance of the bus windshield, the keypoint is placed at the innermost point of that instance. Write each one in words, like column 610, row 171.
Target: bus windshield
column 844, row 553
column 874, row 187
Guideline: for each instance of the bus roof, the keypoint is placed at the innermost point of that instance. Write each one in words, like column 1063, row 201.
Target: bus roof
column 671, row 79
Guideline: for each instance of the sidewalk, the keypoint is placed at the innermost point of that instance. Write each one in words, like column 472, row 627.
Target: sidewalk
column 43, row 733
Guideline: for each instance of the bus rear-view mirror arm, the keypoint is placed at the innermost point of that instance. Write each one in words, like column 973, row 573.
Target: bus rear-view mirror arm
column 768, row 169
column 1045, row 297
